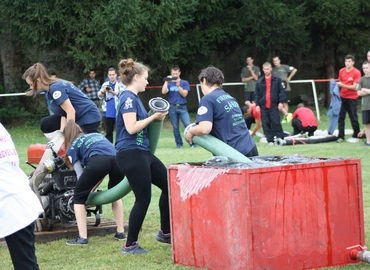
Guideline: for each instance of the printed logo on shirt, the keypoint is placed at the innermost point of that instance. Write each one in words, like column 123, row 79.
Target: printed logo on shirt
column 57, row 94
column 128, row 103
column 202, row 110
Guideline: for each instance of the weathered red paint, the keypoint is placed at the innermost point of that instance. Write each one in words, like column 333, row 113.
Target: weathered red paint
column 297, row 216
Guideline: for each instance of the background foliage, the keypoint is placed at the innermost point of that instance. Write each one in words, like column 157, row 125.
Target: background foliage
column 312, row 35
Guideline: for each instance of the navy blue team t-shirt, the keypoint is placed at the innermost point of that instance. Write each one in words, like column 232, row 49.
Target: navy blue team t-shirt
column 174, row 96
column 130, row 102
column 86, row 146
column 228, row 124
column 86, row 110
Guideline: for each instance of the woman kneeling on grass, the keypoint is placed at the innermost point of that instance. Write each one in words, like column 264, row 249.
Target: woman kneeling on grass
column 92, row 157
column 136, row 161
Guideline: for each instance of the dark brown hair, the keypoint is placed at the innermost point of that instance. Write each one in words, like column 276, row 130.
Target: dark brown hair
column 71, row 131
column 38, row 71
column 128, row 68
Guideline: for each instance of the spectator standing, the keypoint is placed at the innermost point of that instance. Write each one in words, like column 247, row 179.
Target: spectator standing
column 368, row 59
column 363, row 88
column 270, row 96
column 286, row 73
column 249, row 76
column 304, row 120
column 347, row 81
column 177, row 90
column 252, row 115
column 20, row 207
column 91, row 86
column 109, row 93
column 220, row 116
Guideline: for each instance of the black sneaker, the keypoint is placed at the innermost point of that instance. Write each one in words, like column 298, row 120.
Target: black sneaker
column 79, row 241
column 164, row 238
column 133, row 249
column 120, row 236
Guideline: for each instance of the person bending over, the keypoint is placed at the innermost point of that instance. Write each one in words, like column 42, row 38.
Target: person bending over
column 92, row 157
column 220, row 115
column 304, row 120
column 66, row 101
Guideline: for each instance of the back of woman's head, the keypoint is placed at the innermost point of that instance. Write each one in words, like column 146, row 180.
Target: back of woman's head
column 128, row 68
column 213, row 76
column 71, row 131
column 38, row 71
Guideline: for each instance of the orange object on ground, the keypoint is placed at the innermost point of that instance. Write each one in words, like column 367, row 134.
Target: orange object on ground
column 36, row 151
column 299, row 216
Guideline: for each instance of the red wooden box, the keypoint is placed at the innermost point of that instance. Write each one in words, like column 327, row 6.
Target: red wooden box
column 297, row 216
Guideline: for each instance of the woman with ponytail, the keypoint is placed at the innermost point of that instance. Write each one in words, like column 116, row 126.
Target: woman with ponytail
column 134, row 158
column 66, row 101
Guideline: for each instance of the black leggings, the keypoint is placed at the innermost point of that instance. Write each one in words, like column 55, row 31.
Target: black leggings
column 142, row 169
column 96, row 169
column 51, row 123
column 21, row 245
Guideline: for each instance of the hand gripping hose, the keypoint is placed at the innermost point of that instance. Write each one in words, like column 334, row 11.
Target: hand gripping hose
column 218, row 147
column 123, row 188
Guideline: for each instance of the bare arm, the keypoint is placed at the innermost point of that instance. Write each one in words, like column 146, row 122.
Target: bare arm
column 203, row 128
column 291, row 75
column 350, row 87
column 363, row 92
column 165, row 88
column 257, row 127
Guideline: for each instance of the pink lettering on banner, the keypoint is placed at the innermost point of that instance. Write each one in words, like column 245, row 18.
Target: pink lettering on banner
column 194, row 180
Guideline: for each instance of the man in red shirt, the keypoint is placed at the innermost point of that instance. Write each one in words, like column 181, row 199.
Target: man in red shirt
column 347, row 81
column 304, row 120
column 252, row 115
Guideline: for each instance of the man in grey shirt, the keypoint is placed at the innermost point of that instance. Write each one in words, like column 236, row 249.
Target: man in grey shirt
column 363, row 88
column 286, row 73
column 249, row 76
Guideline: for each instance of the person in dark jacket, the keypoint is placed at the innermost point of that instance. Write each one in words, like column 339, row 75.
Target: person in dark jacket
column 269, row 98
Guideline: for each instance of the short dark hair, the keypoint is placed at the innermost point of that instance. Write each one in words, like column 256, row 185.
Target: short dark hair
column 175, row 67
column 212, row 76
column 245, row 108
column 111, row 69
column 53, row 74
column 92, row 70
column 350, row 56
column 366, row 62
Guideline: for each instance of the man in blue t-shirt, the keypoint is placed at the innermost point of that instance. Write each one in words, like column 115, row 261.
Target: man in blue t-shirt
column 177, row 90
column 109, row 93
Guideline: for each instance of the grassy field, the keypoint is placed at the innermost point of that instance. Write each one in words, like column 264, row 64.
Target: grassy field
column 104, row 252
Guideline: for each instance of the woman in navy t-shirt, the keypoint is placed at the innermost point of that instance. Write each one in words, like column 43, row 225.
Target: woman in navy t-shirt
column 66, row 101
column 219, row 115
column 134, row 158
column 92, row 157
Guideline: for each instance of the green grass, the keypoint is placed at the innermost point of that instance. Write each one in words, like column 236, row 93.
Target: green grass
column 104, row 252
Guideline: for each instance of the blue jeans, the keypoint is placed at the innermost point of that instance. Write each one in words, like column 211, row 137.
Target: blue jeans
column 178, row 113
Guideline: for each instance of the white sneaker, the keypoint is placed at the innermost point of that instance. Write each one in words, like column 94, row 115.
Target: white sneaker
column 353, row 140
